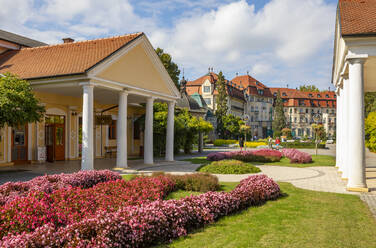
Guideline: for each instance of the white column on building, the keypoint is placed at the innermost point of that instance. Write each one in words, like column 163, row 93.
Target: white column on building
column 345, row 131
column 356, row 175
column 87, row 162
column 170, row 132
column 148, row 140
column 338, row 129
column 121, row 131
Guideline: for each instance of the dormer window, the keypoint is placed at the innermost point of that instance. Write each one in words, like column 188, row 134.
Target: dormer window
column 275, row 94
column 310, row 95
column 206, row 89
column 318, row 95
column 284, row 94
column 327, row 96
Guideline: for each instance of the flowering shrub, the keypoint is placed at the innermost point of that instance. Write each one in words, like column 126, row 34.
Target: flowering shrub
column 68, row 205
column 49, row 183
column 229, row 167
column 149, row 223
column 263, row 155
column 297, row 156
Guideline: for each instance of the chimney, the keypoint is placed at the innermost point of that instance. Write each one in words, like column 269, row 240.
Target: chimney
column 68, row 40
column 237, row 74
column 247, row 72
column 287, row 85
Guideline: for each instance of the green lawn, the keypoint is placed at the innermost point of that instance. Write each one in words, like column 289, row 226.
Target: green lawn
column 301, row 218
column 319, row 160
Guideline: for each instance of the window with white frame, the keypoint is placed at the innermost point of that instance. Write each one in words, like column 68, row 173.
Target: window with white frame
column 206, row 89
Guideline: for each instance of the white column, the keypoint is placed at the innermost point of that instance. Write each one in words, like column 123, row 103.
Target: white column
column 345, row 132
column 121, row 131
column 338, row 129
column 170, row 132
column 356, row 175
column 87, row 162
column 148, row 140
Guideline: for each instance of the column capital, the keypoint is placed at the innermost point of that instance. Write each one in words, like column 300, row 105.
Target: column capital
column 356, row 58
column 150, row 98
column 86, row 84
column 124, row 92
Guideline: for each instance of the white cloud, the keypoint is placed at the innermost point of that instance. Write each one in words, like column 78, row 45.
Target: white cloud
column 285, row 34
column 286, row 40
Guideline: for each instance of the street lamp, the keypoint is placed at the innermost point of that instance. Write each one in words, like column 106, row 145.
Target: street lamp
column 246, row 129
column 316, row 118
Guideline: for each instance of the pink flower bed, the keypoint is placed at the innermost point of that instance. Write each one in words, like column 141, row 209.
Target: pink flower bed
column 263, row 155
column 148, row 223
column 49, row 183
column 297, row 156
column 69, row 205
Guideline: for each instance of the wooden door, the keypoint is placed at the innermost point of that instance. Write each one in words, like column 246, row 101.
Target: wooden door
column 19, row 144
column 50, row 142
column 59, row 141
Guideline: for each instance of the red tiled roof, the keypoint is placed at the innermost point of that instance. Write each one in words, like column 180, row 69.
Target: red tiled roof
column 309, row 99
column 62, row 59
column 252, row 85
column 232, row 89
column 357, row 17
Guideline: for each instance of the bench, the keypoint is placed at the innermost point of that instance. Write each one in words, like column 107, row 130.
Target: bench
column 110, row 150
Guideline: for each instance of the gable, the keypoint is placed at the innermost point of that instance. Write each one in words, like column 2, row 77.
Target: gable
column 135, row 68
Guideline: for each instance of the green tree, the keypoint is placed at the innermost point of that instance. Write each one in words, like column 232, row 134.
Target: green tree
column 311, row 88
column 171, row 67
column 186, row 128
column 370, row 131
column 221, row 110
column 18, row 104
column 231, row 126
column 279, row 121
column 369, row 102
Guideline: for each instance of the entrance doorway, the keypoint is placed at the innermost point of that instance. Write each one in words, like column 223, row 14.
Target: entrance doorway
column 19, row 144
column 55, row 137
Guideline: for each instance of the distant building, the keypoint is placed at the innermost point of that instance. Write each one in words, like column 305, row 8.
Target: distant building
column 248, row 99
column 259, row 105
column 301, row 108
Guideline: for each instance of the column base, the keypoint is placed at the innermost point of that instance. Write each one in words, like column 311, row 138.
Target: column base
column 357, row 189
column 344, row 179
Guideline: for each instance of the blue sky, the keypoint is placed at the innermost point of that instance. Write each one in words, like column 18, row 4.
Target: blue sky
column 279, row 42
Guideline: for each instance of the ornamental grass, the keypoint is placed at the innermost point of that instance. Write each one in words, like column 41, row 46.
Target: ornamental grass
column 147, row 222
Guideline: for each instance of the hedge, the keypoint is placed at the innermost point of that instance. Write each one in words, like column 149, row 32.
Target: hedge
column 230, row 167
column 298, row 144
column 223, row 142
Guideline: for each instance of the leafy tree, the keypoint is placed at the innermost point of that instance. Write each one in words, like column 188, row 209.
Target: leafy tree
column 18, row 104
column 221, row 110
column 171, row 67
column 186, row 129
column 312, row 88
column 369, row 102
column 231, row 126
column 287, row 132
column 279, row 121
column 370, row 130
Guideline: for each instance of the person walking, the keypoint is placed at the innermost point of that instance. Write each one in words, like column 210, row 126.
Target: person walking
column 277, row 142
column 270, row 142
column 241, row 143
